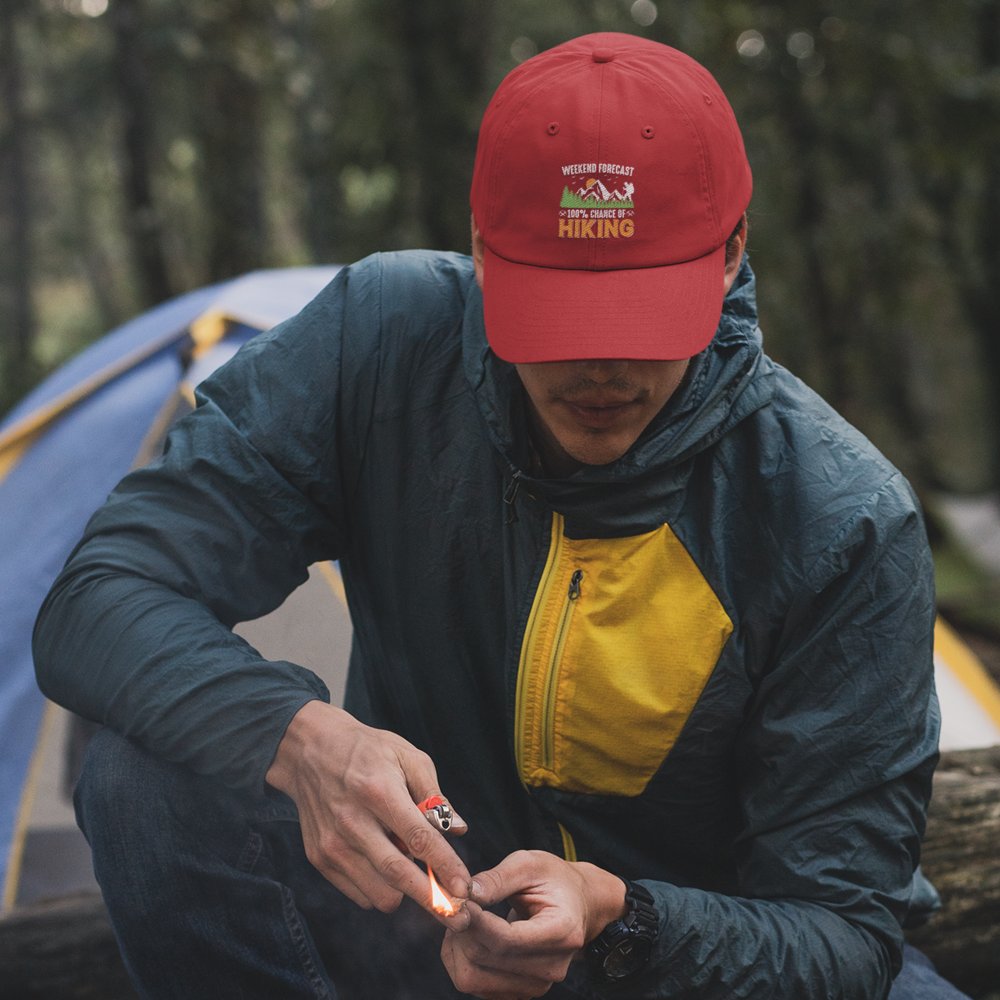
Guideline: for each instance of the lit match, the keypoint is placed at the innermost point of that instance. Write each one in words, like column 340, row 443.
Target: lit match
column 440, row 903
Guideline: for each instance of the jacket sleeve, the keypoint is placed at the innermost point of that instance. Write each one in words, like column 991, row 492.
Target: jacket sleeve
column 836, row 760
column 136, row 631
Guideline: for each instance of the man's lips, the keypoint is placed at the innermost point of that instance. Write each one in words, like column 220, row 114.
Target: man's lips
column 599, row 412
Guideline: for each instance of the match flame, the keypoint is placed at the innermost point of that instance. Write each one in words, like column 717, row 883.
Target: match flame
column 440, row 903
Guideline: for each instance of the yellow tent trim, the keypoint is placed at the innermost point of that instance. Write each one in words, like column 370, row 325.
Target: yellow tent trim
column 332, row 578
column 967, row 669
column 179, row 402
column 186, row 389
column 45, row 415
column 12, row 453
column 28, row 794
column 206, row 331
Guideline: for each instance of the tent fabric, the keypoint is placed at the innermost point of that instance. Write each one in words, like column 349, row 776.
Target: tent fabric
column 969, row 697
column 66, row 445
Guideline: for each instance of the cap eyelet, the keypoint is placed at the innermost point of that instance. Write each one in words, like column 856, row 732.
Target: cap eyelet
column 552, row 128
column 648, row 132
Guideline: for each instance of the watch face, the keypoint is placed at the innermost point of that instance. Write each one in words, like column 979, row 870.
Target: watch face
column 626, row 957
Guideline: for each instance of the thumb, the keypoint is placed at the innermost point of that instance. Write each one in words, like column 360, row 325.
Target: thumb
column 467, row 916
column 504, row 880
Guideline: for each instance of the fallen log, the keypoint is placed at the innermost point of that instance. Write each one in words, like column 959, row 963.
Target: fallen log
column 65, row 948
column 61, row 948
column 961, row 857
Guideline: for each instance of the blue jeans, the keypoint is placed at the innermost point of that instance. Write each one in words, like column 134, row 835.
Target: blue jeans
column 211, row 895
column 917, row 980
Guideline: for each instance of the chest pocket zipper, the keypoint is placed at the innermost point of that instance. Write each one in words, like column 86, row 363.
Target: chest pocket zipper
column 552, row 671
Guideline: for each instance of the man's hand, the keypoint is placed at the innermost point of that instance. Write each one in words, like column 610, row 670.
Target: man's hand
column 557, row 907
column 356, row 790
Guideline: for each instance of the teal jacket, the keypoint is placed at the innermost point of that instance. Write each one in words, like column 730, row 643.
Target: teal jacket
column 706, row 666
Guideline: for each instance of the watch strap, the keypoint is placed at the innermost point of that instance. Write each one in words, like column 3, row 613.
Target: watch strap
column 641, row 906
column 635, row 930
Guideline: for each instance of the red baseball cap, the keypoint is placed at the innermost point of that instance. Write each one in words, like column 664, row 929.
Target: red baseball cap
column 609, row 173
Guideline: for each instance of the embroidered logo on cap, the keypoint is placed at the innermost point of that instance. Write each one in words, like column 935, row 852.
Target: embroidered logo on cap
column 597, row 201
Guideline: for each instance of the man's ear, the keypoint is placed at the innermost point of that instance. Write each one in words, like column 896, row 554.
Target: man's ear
column 477, row 252
column 735, row 247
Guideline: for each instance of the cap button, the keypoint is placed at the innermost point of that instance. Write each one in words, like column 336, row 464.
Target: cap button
column 603, row 55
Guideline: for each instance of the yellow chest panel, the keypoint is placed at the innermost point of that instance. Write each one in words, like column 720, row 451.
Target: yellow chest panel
column 621, row 640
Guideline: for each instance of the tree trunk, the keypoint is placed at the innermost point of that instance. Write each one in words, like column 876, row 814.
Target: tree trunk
column 444, row 56
column 15, row 218
column 143, row 224
column 986, row 305
column 229, row 116
column 65, row 948
column 111, row 294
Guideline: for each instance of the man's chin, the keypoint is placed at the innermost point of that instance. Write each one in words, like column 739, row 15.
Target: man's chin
column 596, row 452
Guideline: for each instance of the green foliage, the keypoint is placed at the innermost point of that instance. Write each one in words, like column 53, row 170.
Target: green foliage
column 967, row 594
column 271, row 133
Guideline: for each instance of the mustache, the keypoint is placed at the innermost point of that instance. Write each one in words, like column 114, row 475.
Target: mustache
column 618, row 387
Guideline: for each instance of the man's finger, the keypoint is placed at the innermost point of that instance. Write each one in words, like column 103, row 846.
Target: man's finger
column 394, row 867
column 513, row 874
column 440, row 813
column 344, row 885
column 368, row 865
column 472, row 978
column 422, row 840
column 357, row 878
column 448, row 867
column 542, row 935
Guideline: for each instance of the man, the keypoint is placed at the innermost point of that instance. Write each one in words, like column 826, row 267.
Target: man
column 652, row 618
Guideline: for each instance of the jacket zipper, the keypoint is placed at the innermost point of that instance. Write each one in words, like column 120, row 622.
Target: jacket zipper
column 552, row 672
column 510, row 496
column 569, row 847
column 536, row 749
column 521, row 736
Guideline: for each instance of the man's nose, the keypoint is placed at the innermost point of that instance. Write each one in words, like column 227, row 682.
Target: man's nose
column 603, row 369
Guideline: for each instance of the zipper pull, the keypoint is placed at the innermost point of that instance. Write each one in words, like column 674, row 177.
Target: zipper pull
column 574, row 584
column 509, row 496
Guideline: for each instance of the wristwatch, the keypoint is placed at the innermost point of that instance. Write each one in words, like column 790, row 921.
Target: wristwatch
column 624, row 946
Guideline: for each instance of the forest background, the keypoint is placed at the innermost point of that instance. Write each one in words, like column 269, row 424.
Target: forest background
column 148, row 147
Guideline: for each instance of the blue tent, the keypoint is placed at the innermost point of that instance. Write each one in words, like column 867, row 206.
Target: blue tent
column 65, row 446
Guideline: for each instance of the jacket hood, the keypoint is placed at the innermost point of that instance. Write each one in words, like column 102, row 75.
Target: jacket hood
column 728, row 381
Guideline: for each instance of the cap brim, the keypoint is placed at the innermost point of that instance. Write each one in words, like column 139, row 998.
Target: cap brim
column 552, row 314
